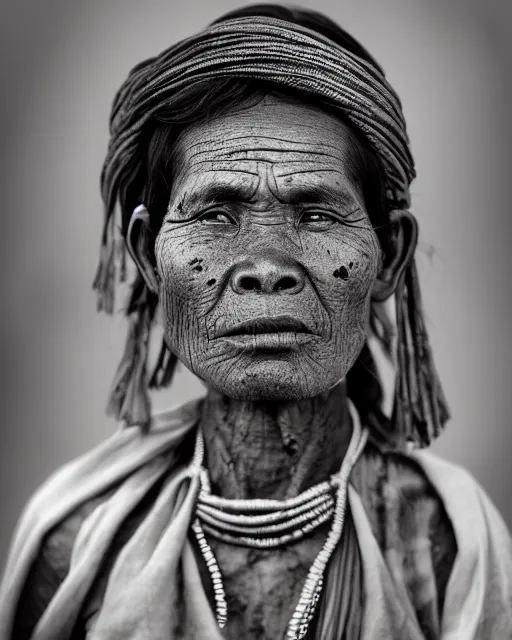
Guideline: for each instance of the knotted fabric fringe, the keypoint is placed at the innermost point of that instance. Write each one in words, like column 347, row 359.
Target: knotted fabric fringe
column 420, row 408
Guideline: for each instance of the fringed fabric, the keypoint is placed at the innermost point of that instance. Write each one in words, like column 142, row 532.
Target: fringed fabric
column 128, row 398
column 420, row 408
column 164, row 370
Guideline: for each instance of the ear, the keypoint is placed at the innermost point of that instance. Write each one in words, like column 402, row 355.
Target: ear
column 399, row 254
column 140, row 242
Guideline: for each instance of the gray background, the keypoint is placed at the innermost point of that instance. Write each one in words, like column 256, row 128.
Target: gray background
column 61, row 63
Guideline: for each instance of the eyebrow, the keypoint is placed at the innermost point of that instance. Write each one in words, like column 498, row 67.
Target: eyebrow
column 219, row 193
column 318, row 194
column 216, row 193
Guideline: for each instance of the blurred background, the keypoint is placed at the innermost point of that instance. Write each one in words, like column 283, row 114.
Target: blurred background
column 61, row 63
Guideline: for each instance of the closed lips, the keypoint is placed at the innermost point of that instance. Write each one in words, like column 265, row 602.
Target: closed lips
column 279, row 324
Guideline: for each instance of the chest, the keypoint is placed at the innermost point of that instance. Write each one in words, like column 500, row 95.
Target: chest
column 262, row 587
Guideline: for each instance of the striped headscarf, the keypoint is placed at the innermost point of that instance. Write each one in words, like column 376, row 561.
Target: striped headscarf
column 271, row 50
column 300, row 59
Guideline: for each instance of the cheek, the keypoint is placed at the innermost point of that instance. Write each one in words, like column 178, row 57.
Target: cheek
column 346, row 268
column 189, row 273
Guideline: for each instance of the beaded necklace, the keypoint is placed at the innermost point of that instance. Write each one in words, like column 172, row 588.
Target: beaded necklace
column 266, row 524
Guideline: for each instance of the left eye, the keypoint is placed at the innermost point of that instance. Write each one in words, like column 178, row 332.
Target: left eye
column 316, row 217
column 216, row 216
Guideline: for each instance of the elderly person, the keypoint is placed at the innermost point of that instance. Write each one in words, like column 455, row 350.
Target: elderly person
column 262, row 171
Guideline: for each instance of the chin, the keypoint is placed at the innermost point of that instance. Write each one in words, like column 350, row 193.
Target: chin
column 272, row 380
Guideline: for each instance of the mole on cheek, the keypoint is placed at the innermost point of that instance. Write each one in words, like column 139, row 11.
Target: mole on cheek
column 342, row 273
column 196, row 264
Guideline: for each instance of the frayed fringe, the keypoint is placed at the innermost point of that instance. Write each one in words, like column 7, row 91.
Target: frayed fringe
column 384, row 328
column 420, row 409
column 129, row 398
column 364, row 388
column 112, row 261
column 104, row 279
column 164, row 370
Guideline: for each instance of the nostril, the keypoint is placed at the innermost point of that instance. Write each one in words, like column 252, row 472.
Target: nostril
column 270, row 272
column 287, row 282
column 247, row 283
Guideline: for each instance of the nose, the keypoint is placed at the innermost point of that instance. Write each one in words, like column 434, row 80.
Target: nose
column 271, row 272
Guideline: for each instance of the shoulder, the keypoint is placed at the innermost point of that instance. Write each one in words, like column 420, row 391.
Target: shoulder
column 432, row 518
column 395, row 488
column 481, row 588
column 411, row 527
column 478, row 525
column 49, row 568
column 42, row 546
column 95, row 472
column 463, row 496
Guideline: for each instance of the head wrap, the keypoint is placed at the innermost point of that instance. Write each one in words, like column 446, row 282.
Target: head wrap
column 292, row 56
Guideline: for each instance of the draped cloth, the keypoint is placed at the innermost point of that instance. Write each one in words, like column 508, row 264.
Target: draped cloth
column 157, row 565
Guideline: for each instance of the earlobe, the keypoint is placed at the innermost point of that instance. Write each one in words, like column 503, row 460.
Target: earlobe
column 402, row 244
column 140, row 243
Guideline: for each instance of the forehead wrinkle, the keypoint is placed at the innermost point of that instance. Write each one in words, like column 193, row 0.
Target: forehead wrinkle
column 308, row 171
column 221, row 188
column 223, row 139
column 233, row 165
column 301, row 131
column 227, row 146
column 312, row 187
column 242, row 158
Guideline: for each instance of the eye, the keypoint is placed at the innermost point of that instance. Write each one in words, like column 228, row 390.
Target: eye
column 316, row 219
column 216, row 217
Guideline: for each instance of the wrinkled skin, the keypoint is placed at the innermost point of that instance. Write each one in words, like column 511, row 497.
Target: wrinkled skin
column 296, row 241
column 267, row 219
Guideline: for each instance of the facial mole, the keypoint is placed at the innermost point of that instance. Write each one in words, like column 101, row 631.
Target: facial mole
column 291, row 446
column 211, row 281
column 342, row 273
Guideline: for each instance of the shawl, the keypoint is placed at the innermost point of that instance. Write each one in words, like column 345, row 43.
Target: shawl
column 478, row 600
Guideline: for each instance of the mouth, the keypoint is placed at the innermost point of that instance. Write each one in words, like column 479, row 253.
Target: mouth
column 268, row 334
column 265, row 325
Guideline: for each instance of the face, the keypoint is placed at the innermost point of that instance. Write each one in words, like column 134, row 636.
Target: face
column 267, row 257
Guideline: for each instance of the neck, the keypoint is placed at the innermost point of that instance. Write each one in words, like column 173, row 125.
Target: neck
column 274, row 449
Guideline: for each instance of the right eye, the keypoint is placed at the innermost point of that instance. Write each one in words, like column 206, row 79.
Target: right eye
column 216, row 217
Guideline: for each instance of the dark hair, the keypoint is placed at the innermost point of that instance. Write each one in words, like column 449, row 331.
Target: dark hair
column 207, row 99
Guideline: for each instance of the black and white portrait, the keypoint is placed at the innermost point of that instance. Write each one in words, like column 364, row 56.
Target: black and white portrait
column 256, row 321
